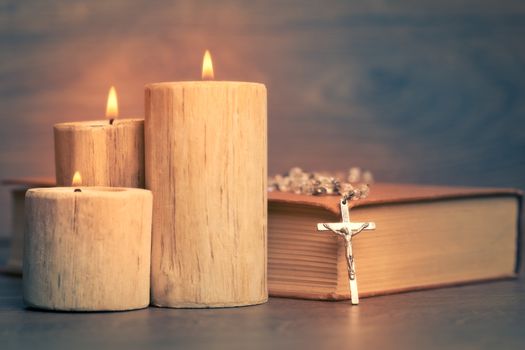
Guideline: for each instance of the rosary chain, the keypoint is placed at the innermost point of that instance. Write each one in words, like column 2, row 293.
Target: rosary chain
column 356, row 183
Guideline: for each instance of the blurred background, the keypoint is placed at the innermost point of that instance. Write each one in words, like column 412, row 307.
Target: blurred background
column 430, row 92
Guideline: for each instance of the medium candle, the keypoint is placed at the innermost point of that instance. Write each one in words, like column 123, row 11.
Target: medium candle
column 87, row 248
column 206, row 164
column 106, row 152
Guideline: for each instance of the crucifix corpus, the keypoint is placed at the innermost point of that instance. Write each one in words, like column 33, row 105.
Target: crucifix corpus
column 356, row 186
column 348, row 230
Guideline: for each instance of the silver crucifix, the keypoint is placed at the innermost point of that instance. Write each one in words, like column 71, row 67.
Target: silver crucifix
column 347, row 230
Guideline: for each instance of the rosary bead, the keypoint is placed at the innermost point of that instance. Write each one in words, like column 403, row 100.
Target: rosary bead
column 307, row 188
column 295, row 172
column 354, row 174
column 368, row 178
column 322, row 183
column 319, row 191
column 346, row 187
column 365, row 190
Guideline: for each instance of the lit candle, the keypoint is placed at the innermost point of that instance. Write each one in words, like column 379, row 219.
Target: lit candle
column 206, row 166
column 87, row 248
column 107, row 152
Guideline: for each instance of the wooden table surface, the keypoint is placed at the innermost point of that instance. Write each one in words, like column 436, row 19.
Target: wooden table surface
column 483, row 316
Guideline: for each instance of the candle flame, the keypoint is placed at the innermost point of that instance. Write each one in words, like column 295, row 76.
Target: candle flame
column 77, row 179
column 207, row 67
column 112, row 105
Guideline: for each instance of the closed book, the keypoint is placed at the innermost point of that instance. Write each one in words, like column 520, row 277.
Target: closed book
column 425, row 237
column 13, row 265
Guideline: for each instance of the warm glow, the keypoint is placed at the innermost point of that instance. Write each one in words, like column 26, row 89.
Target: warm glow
column 77, row 179
column 112, row 106
column 207, row 67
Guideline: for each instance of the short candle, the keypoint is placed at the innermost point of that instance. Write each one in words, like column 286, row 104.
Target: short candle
column 107, row 152
column 206, row 166
column 87, row 248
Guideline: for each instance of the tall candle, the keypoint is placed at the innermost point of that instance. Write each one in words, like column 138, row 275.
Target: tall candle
column 87, row 248
column 106, row 152
column 206, row 164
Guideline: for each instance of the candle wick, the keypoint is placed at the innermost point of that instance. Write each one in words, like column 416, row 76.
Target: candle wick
column 77, row 190
column 111, row 121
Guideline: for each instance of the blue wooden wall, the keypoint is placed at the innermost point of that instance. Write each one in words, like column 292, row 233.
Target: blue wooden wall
column 416, row 91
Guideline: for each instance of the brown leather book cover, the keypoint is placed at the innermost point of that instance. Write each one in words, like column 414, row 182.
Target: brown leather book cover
column 30, row 182
column 385, row 193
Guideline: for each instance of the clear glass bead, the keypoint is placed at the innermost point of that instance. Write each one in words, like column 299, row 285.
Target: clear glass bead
column 307, row 188
column 364, row 190
column 283, row 183
column 295, row 172
column 368, row 178
column 272, row 185
column 296, row 187
column 346, row 187
column 319, row 191
column 354, row 174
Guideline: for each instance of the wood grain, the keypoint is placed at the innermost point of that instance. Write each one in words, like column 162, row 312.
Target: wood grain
column 87, row 251
column 206, row 164
column 104, row 154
